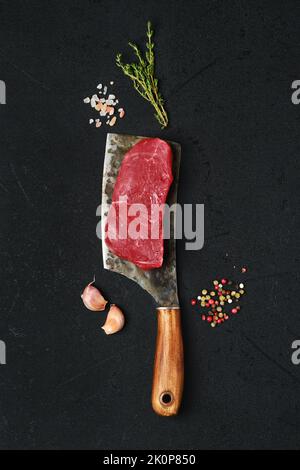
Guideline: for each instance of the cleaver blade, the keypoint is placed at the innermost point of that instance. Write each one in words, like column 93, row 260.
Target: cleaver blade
column 160, row 283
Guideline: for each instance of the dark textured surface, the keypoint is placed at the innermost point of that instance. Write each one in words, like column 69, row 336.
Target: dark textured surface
column 226, row 69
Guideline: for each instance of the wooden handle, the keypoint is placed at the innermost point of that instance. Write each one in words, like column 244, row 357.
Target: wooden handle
column 168, row 364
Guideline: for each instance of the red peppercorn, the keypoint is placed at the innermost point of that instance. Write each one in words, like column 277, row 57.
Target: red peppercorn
column 203, row 317
column 209, row 319
column 193, row 302
column 224, row 281
column 234, row 310
column 207, row 304
column 211, row 301
column 219, row 321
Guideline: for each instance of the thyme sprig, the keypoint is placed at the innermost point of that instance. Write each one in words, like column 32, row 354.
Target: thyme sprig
column 142, row 73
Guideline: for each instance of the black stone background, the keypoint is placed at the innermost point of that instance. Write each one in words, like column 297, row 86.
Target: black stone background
column 226, row 69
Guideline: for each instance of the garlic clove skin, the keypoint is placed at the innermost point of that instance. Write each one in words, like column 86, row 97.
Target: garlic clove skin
column 93, row 299
column 115, row 320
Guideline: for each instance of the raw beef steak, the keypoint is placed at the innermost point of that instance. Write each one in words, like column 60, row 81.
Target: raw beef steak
column 144, row 178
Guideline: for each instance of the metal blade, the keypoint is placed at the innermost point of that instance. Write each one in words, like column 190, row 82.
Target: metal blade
column 161, row 283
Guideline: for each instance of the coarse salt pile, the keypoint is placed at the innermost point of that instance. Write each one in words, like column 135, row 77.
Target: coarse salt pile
column 105, row 105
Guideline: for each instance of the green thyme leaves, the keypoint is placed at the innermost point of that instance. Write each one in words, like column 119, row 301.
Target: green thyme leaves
column 142, row 73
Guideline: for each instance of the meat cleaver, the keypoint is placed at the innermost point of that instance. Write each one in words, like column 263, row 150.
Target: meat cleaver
column 161, row 283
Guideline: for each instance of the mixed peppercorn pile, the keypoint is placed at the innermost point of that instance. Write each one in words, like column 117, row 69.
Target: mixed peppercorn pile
column 217, row 305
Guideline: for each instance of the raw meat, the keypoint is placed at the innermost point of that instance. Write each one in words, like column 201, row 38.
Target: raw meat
column 144, row 178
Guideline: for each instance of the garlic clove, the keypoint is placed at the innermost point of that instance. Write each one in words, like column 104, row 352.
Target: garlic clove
column 115, row 320
column 93, row 299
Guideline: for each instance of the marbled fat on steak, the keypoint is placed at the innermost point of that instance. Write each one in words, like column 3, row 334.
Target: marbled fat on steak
column 144, row 178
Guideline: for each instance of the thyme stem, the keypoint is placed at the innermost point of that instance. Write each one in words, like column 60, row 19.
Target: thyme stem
column 142, row 75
